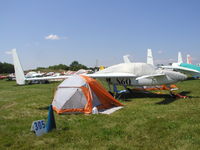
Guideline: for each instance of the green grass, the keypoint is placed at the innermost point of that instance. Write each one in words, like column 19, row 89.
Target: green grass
column 141, row 124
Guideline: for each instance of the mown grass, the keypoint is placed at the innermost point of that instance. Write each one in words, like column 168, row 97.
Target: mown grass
column 144, row 123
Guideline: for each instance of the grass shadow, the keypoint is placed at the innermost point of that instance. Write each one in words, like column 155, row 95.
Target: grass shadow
column 173, row 98
column 168, row 98
column 167, row 101
column 126, row 96
column 191, row 78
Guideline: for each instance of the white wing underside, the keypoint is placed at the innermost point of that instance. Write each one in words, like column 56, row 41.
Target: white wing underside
column 125, row 75
column 183, row 69
column 111, row 75
column 47, row 78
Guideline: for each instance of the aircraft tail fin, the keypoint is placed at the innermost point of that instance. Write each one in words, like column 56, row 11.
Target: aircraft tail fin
column 150, row 57
column 189, row 59
column 180, row 60
column 19, row 73
column 126, row 59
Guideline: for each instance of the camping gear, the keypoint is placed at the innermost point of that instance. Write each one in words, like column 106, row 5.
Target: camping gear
column 79, row 94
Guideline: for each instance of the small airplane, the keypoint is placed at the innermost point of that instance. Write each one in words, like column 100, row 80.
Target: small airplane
column 33, row 74
column 132, row 74
column 170, row 87
column 186, row 68
column 138, row 74
column 21, row 79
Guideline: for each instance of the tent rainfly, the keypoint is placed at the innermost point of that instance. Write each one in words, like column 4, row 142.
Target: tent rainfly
column 80, row 94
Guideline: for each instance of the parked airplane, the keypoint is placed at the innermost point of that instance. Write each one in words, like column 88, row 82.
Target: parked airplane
column 138, row 74
column 20, row 77
column 186, row 68
column 170, row 87
column 133, row 74
column 33, row 74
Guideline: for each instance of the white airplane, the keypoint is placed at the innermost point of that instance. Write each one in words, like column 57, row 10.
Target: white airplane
column 133, row 74
column 20, row 77
column 138, row 74
column 186, row 68
column 33, row 74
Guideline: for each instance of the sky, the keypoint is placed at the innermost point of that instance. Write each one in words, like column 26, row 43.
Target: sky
column 51, row 32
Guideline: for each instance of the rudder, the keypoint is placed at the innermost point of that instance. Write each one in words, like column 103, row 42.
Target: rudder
column 19, row 73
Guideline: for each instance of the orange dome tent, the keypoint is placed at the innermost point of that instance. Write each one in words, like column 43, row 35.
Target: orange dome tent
column 79, row 94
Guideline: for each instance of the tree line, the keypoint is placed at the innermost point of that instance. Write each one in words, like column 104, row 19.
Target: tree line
column 74, row 66
column 6, row 68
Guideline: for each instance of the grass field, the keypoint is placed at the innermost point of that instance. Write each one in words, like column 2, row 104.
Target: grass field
column 144, row 123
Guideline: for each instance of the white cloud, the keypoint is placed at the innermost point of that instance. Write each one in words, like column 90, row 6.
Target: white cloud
column 55, row 37
column 52, row 37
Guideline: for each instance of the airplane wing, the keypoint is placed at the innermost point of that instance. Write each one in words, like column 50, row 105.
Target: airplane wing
column 151, row 76
column 111, row 75
column 183, row 70
column 47, row 78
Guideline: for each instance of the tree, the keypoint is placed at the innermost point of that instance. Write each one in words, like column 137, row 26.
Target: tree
column 75, row 66
column 60, row 66
column 6, row 68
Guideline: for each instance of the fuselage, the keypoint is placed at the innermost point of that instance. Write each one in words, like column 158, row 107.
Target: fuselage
column 138, row 69
column 141, row 69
